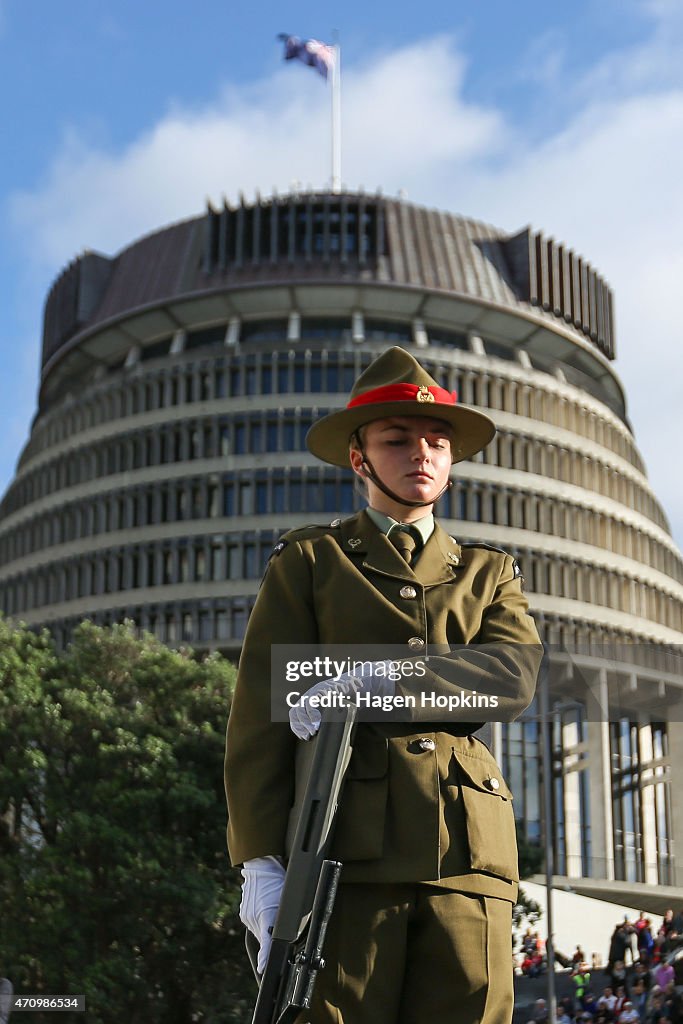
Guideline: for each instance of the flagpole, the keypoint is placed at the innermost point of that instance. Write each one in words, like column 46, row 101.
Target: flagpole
column 336, row 115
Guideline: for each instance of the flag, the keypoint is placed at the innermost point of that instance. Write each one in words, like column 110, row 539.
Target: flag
column 312, row 52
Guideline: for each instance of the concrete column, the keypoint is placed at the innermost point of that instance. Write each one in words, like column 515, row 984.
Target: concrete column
column 488, row 498
column 232, row 334
column 675, row 734
column 133, row 356
column 572, row 804
column 600, row 787
column 294, row 326
column 497, row 741
column 357, row 326
column 420, row 334
column 178, row 342
column 483, row 393
column 648, row 820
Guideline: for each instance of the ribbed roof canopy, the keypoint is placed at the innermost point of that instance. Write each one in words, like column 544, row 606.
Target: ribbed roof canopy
column 324, row 237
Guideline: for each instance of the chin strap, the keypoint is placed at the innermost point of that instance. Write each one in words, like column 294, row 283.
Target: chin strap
column 372, row 475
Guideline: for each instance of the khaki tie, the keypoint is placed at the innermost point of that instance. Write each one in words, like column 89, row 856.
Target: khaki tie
column 405, row 542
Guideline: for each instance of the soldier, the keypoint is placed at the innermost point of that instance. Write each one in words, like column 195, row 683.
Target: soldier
column 421, row 930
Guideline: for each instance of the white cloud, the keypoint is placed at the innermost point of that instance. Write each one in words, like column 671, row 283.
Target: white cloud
column 406, row 117
column 610, row 187
column 606, row 181
column 401, row 116
column 644, row 66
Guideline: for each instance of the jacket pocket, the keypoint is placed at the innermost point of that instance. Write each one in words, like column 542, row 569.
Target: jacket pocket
column 490, row 820
column 359, row 832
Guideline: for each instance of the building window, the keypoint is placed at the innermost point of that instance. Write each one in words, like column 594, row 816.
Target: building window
column 238, row 622
column 271, row 331
column 217, row 562
column 388, row 331
column 521, row 768
column 346, row 496
column 325, row 329
column 222, row 630
column 628, row 846
column 228, row 500
column 278, row 504
column 451, row 339
column 246, row 498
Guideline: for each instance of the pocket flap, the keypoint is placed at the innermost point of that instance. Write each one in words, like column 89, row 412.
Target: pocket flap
column 483, row 775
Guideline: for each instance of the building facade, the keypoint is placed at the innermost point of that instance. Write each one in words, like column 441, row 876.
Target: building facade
column 167, row 455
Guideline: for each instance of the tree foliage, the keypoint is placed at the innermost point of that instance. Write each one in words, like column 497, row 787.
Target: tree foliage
column 114, row 879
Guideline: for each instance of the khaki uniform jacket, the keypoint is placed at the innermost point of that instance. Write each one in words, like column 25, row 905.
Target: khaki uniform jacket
column 410, row 812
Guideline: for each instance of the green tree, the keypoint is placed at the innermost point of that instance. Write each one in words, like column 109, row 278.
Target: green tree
column 114, row 878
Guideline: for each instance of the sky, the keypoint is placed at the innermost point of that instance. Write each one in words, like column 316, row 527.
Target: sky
column 121, row 117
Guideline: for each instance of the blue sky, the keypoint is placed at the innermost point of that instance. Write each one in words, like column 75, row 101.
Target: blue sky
column 121, row 117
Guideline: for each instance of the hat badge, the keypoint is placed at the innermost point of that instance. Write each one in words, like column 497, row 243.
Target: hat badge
column 424, row 394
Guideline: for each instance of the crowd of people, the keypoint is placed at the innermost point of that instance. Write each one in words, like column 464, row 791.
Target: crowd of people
column 638, row 984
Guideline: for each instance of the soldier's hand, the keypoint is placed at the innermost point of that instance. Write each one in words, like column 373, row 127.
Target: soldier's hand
column 261, row 891
column 305, row 716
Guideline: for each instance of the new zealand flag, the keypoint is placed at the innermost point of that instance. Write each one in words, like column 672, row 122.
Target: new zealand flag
column 312, row 52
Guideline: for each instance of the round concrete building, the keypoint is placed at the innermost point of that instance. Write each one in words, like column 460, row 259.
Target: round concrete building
column 167, row 455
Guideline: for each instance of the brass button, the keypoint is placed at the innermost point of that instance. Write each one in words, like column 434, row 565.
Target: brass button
column 426, row 743
column 455, row 559
column 493, row 784
column 416, row 643
column 408, row 592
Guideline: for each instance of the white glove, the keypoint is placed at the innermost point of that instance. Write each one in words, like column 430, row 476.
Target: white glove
column 261, row 891
column 305, row 716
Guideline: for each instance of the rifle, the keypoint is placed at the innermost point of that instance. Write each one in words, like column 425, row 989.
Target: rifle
column 310, row 886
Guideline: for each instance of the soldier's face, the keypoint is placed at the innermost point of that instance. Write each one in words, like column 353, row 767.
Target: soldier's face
column 411, row 455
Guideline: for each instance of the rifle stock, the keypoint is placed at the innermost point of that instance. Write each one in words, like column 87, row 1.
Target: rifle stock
column 310, row 886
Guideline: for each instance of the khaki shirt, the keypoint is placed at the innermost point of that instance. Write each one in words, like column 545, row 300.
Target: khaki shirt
column 409, row 813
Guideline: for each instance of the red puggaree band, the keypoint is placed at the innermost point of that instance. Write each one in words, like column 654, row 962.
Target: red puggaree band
column 405, row 393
